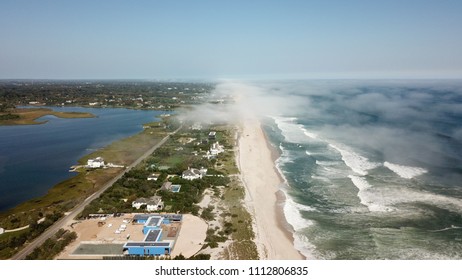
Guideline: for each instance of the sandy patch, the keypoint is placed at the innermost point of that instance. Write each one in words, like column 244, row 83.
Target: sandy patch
column 191, row 237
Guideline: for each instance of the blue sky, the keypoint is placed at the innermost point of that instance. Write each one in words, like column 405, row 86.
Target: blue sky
column 230, row 39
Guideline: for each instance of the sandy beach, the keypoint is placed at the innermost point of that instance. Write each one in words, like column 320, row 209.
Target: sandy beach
column 261, row 181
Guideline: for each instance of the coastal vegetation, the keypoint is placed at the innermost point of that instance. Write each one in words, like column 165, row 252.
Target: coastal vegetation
column 53, row 246
column 186, row 149
column 25, row 116
column 169, row 161
column 67, row 194
column 11, row 242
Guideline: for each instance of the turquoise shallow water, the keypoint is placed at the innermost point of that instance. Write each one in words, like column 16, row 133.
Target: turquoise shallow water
column 34, row 158
column 373, row 170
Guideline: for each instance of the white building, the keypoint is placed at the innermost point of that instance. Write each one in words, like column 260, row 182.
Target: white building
column 95, row 162
column 193, row 173
column 216, row 149
column 152, row 204
column 153, row 177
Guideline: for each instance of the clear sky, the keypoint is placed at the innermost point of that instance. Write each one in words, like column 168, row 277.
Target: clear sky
column 230, row 39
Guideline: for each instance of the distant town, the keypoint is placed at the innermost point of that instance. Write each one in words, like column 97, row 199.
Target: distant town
column 124, row 94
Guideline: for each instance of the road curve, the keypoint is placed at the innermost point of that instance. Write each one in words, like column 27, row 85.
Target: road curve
column 79, row 208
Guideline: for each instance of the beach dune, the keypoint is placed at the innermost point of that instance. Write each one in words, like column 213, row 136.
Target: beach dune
column 261, row 180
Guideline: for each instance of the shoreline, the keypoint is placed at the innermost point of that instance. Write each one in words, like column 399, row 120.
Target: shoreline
column 109, row 151
column 264, row 199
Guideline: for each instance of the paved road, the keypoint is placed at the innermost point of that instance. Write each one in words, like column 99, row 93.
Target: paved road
column 79, row 208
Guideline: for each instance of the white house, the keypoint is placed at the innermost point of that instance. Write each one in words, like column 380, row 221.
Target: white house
column 152, row 204
column 2, row 230
column 153, row 177
column 193, row 173
column 155, row 204
column 95, row 162
column 216, row 149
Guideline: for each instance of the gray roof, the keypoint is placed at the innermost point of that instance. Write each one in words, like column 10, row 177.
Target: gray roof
column 151, row 200
column 166, row 186
column 152, row 235
column 147, row 244
column 192, row 172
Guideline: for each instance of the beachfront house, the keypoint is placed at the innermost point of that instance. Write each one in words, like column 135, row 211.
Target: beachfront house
column 193, row 173
column 216, row 149
column 153, row 203
column 95, row 162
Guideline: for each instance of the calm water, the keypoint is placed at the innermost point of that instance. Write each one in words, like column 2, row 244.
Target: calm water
column 34, row 158
column 373, row 170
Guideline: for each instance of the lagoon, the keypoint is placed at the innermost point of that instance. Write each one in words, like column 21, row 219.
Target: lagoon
column 33, row 158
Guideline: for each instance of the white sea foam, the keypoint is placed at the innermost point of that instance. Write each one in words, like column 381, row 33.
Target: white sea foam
column 406, row 195
column 357, row 163
column 303, row 245
column 293, row 215
column 308, row 153
column 445, row 229
column 320, row 178
column 291, row 131
column 407, row 172
column 309, row 134
column 326, row 163
column 367, row 198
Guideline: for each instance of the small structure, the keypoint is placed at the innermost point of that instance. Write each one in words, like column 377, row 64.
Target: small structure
column 216, row 149
column 95, row 162
column 154, row 203
column 212, row 135
column 153, row 177
column 2, row 230
column 193, row 173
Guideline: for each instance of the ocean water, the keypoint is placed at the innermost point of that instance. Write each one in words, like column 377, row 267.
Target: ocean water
column 33, row 158
column 373, row 169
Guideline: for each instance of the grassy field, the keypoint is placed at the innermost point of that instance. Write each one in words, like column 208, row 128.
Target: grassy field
column 29, row 116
